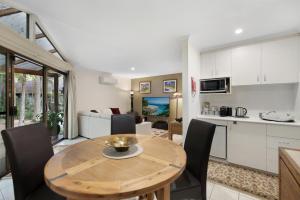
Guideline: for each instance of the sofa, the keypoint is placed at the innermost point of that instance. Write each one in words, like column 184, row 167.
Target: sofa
column 92, row 125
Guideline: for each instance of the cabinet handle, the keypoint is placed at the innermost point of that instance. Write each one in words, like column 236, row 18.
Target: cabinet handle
column 265, row 78
column 257, row 78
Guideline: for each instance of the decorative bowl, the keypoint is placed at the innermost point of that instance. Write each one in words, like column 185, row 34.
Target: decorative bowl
column 121, row 143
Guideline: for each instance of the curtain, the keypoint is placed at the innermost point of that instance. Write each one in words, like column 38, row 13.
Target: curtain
column 72, row 128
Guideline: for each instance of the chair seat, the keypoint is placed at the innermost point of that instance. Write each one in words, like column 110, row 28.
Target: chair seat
column 44, row 193
column 186, row 187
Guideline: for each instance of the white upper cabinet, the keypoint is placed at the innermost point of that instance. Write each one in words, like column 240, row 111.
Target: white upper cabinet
column 223, row 63
column 216, row 64
column 276, row 61
column 281, row 61
column 246, row 65
column 208, row 63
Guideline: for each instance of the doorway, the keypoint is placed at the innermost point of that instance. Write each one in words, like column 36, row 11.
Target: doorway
column 30, row 92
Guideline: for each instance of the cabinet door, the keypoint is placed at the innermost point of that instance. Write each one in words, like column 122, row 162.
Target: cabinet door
column 223, row 63
column 208, row 63
column 280, row 61
column 246, row 65
column 247, row 144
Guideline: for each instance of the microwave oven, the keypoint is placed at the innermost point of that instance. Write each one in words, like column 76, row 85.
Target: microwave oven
column 215, row 85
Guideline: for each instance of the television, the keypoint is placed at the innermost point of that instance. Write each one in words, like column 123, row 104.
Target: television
column 156, row 106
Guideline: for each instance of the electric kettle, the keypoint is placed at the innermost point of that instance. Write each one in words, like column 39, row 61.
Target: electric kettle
column 240, row 112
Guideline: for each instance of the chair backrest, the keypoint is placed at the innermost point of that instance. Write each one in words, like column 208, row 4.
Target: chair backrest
column 28, row 150
column 122, row 124
column 197, row 147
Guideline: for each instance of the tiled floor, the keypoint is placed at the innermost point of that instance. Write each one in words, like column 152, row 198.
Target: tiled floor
column 215, row 191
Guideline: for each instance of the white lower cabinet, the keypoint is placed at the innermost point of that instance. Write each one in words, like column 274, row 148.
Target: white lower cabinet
column 247, row 144
column 280, row 136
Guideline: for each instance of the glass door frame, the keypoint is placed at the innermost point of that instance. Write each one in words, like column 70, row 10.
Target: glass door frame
column 10, row 56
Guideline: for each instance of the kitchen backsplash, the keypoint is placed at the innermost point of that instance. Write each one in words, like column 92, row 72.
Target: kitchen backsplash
column 259, row 98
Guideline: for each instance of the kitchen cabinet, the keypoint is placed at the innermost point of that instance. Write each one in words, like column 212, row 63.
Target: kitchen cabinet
column 223, row 63
column 247, row 144
column 271, row 62
column 208, row 63
column 280, row 136
column 216, row 64
column 281, row 61
column 246, row 65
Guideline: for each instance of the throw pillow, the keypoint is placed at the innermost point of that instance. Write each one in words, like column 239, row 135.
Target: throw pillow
column 115, row 111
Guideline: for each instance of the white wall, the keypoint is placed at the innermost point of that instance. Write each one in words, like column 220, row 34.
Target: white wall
column 92, row 95
column 258, row 98
column 191, row 68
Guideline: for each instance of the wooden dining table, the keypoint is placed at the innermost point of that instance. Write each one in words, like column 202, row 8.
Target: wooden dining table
column 81, row 172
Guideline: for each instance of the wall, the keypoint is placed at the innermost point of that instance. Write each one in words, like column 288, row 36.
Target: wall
column 258, row 98
column 191, row 68
column 92, row 95
column 297, row 104
column 157, row 91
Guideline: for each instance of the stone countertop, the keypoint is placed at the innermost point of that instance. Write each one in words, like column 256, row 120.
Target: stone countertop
column 251, row 119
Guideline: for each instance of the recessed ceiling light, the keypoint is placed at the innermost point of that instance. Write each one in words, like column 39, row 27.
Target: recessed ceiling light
column 132, row 68
column 238, row 31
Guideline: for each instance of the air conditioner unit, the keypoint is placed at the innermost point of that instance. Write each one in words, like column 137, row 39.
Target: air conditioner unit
column 107, row 80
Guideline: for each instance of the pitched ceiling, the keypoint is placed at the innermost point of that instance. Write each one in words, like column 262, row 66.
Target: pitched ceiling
column 115, row 35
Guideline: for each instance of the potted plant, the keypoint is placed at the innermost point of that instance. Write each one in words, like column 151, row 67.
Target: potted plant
column 54, row 120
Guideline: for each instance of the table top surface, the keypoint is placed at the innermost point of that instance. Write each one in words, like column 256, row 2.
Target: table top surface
column 82, row 172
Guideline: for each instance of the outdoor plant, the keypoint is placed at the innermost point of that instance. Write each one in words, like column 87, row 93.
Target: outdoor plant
column 54, row 120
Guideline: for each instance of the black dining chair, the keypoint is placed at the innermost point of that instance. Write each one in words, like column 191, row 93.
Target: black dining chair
column 28, row 149
column 122, row 124
column 192, row 183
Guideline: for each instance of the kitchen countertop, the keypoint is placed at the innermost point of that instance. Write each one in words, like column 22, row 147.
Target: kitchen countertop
column 251, row 119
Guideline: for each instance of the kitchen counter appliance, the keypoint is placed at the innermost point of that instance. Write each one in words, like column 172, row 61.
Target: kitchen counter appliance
column 240, row 112
column 215, row 85
column 225, row 111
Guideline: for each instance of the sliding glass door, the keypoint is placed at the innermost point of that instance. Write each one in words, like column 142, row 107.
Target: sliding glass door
column 30, row 93
column 2, row 110
column 27, row 92
column 56, row 102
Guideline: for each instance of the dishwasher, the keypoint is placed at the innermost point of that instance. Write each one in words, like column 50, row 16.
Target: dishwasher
column 219, row 143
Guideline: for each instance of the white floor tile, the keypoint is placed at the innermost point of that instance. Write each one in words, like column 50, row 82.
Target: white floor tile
column 244, row 196
column 70, row 142
column 8, row 193
column 209, row 188
column 223, row 193
column 1, row 196
column 5, row 182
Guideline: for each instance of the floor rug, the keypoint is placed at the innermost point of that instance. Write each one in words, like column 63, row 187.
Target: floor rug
column 257, row 183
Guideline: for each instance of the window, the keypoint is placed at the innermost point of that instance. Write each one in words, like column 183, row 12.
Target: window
column 14, row 19
column 43, row 41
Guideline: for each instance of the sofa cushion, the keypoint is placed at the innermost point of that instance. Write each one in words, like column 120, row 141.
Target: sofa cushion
column 115, row 111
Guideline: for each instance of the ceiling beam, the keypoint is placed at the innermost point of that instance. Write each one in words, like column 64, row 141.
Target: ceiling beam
column 22, row 61
column 40, row 35
column 52, row 51
column 8, row 11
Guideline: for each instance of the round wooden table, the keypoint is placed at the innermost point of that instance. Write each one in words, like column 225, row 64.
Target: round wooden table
column 82, row 172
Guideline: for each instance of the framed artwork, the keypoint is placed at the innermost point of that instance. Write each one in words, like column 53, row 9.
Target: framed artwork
column 145, row 87
column 170, row 86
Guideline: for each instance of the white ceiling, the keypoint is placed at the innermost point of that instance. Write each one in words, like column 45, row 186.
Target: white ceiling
column 115, row 35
